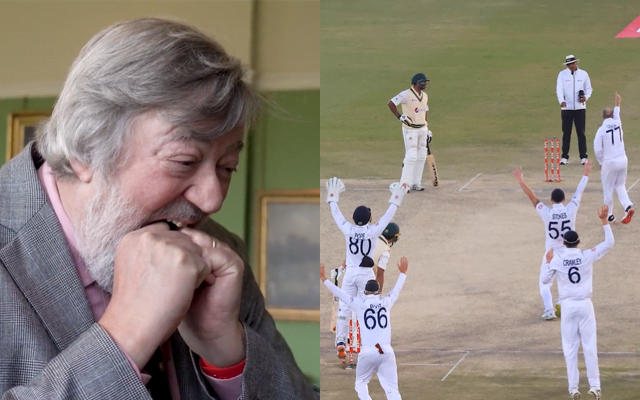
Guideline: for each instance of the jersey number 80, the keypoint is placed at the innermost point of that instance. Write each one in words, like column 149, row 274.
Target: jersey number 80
column 357, row 246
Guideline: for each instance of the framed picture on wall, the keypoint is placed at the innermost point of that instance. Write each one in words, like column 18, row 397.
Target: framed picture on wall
column 289, row 253
column 21, row 129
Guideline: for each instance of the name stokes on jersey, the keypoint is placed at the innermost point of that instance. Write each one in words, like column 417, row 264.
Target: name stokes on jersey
column 559, row 216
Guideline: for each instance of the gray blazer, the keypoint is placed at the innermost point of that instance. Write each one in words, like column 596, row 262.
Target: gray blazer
column 52, row 348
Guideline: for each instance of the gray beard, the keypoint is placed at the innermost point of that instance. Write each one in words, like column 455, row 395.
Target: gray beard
column 107, row 218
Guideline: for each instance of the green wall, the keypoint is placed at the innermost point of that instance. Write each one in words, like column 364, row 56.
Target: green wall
column 285, row 154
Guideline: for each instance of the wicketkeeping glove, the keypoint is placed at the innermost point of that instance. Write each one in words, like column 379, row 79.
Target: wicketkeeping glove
column 403, row 118
column 398, row 191
column 334, row 188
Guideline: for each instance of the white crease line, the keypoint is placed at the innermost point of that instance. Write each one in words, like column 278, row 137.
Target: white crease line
column 459, row 361
column 634, row 183
column 459, row 190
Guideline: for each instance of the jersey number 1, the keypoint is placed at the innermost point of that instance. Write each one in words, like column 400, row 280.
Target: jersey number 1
column 562, row 229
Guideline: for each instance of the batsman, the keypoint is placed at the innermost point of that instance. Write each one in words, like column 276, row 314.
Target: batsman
column 415, row 130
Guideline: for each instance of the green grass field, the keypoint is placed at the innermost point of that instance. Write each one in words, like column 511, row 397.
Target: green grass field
column 493, row 67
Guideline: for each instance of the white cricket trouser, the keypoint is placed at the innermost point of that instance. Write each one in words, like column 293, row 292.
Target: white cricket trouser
column 415, row 147
column 545, row 289
column 579, row 323
column 370, row 360
column 353, row 283
column 614, row 177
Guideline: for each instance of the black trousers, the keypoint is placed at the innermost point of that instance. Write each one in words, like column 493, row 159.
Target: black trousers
column 569, row 118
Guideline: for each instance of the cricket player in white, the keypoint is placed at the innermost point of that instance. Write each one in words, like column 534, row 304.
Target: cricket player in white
column 574, row 270
column 360, row 243
column 557, row 220
column 415, row 129
column 609, row 148
column 374, row 316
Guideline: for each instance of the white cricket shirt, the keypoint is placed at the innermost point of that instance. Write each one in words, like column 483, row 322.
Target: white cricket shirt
column 374, row 312
column 609, row 141
column 573, row 268
column 560, row 218
column 360, row 240
column 568, row 88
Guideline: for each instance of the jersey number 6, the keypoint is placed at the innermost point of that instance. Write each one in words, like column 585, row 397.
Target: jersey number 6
column 574, row 275
column 557, row 233
column 370, row 318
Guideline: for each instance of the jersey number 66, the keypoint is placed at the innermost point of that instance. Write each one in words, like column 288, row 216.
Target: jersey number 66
column 370, row 318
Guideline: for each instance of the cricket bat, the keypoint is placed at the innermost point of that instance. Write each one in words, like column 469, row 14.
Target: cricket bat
column 336, row 303
column 431, row 163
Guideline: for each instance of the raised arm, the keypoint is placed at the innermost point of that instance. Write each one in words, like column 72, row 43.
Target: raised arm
column 337, row 292
column 379, row 227
column 616, row 109
column 583, row 182
column 602, row 249
column 517, row 173
column 398, row 190
column 342, row 223
column 334, row 188
column 403, row 265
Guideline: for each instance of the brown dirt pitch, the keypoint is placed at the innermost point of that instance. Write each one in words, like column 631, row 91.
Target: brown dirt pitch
column 467, row 323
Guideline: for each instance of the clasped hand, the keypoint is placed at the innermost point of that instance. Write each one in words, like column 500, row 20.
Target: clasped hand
column 166, row 280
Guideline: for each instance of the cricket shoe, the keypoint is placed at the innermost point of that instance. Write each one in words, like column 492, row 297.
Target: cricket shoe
column 342, row 353
column 576, row 396
column 558, row 310
column 563, row 161
column 594, row 394
column 612, row 219
column 549, row 314
column 583, row 161
column 629, row 214
column 417, row 188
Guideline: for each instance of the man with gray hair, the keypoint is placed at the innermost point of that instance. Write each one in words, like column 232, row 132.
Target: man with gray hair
column 114, row 283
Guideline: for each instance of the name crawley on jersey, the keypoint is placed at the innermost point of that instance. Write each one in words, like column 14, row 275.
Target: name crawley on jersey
column 572, row 263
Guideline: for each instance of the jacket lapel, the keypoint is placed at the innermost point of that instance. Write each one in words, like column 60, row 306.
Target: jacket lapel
column 38, row 257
